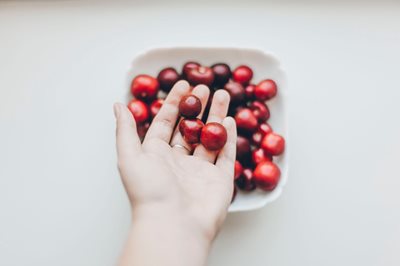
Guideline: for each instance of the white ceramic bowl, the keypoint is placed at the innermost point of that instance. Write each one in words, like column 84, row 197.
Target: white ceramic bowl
column 265, row 65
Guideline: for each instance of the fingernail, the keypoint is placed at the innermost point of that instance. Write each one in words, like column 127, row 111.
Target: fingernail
column 117, row 110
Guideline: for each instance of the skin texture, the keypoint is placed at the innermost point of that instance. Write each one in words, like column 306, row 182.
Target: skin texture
column 179, row 197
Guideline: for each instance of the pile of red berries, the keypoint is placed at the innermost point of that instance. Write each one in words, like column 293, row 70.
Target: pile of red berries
column 257, row 144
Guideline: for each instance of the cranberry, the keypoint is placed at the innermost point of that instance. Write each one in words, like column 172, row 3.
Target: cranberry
column 236, row 92
column 259, row 155
column 144, row 87
column 257, row 137
column 265, row 90
column 188, row 66
column 267, row 175
column 264, row 128
column 222, row 73
column 246, row 120
column 167, row 78
column 273, row 144
column 245, row 181
column 242, row 74
column 142, row 130
column 139, row 110
column 238, row 170
column 190, row 106
column 249, row 91
column 260, row 111
column 200, row 75
column 213, row 136
column 190, row 130
column 242, row 147
column 155, row 106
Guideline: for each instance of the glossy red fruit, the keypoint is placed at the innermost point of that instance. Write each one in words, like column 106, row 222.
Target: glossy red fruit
column 265, row 128
column 243, row 148
column 256, row 138
column 245, row 181
column 238, row 170
column 262, row 130
column 273, row 144
column 260, row 111
column 167, row 78
column 144, row 87
column 200, row 75
column 266, row 175
column 236, row 92
column 139, row 110
column 222, row 74
column 142, row 130
column 188, row 66
column 213, row 136
column 155, row 106
column 265, row 90
column 190, row 106
column 249, row 91
column 190, row 130
column 259, row 155
column 242, row 74
column 246, row 120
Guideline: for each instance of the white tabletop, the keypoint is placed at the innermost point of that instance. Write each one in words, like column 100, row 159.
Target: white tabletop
column 63, row 65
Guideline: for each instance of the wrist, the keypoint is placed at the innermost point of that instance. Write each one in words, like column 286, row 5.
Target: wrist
column 176, row 220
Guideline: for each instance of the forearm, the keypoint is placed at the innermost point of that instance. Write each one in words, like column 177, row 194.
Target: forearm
column 160, row 236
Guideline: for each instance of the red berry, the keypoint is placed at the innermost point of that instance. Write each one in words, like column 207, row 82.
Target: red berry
column 139, row 110
column 200, row 75
column 264, row 128
column 260, row 111
column 246, row 120
column 273, row 144
column 245, row 181
column 188, row 66
column 213, row 136
column 190, row 106
column 167, row 78
column 190, row 130
column 259, row 155
column 242, row 74
column 222, row 73
column 155, row 107
column 242, row 147
column 249, row 91
column 144, row 87
column 267, row 175
column 265, row 90
column 236, row 92
column 238, row 170
column 256, row 138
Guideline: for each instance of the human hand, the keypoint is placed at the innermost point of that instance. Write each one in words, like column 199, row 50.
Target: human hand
column 164, row 178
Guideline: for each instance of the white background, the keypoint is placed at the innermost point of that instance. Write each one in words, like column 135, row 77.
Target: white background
column 62, row 65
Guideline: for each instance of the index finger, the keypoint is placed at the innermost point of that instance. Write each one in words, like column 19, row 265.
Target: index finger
column 163, row 124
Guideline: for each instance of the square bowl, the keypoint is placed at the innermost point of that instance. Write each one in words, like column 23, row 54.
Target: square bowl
column 264, row 65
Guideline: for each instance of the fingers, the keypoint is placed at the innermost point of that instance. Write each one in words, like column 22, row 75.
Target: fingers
column 164, row 122
column 218, row 111
column 128, row 142
column 227, row 156
column 202, row 92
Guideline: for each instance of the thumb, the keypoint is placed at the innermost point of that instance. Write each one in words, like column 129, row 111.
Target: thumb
column 128, row 142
